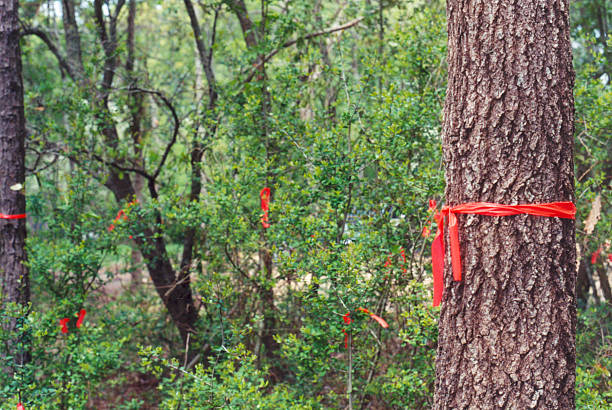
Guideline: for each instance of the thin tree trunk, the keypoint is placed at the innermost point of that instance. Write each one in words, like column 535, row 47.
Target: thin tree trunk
column 252, row 39
column 507, row 330
column 604, row 282
column 73, row 39
column 137, row 112
column 13, row 273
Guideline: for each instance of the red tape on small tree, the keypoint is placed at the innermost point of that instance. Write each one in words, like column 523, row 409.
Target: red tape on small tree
column 264, row 196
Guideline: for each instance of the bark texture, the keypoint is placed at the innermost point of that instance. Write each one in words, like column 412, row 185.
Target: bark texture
column 13, row 273
column 507, row 330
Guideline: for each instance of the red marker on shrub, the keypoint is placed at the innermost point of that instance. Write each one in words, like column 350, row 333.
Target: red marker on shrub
column 264, row 196
column 20, row 407
column 63, row 323
column 379, row 319
column 81, row 317
column 388, row 262
column 425, row 232
column 595, row 255
column 347, row 319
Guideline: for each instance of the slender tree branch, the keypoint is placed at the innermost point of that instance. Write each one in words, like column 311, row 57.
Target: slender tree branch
column 242, row 272
column 31, row 31
column 177, row 124
column 289, row 43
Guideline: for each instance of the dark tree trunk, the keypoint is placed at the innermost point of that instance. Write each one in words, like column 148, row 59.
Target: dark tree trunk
column 13, row 272
column 507, row 330
column 73, row 39
column 174, row 290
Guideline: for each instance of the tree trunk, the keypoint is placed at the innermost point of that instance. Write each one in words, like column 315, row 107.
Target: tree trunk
column 254, row 38
column 507, row 330
column 13, row 272
column 600, row 269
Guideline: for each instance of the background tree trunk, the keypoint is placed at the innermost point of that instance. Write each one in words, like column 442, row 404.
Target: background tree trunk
column 507, row 330
column 14, row 274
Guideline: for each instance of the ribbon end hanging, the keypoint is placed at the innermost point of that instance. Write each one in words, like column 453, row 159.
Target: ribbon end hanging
column 437, row 259
column 453, row 232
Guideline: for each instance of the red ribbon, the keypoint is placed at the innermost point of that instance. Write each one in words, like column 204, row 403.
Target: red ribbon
column 345, row 339
column 595, row 255
column 264, row 195
column 81, row 317
column 347, row 319
column 121, row 214
column 425, row 232
column 20, row 407
column 379, row 319
column 63, row 323
column 388, row 262
column 403, row 255
column 553, row 209
column 18, row 216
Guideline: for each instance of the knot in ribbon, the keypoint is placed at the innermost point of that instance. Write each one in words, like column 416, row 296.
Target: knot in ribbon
column 552, row 209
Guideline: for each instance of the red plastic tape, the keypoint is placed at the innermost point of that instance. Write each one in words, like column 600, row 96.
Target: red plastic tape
column 553, row 209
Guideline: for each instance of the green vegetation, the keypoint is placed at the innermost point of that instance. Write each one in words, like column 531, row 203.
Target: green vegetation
column 343, row 127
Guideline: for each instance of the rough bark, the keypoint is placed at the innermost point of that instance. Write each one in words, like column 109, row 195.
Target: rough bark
column 507, row 330
column 13, row 272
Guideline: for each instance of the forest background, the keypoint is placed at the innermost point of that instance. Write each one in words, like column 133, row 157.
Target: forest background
column 153, row 126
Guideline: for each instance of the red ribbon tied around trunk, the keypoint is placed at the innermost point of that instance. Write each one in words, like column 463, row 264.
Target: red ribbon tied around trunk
column 264, row 195
column 552, row 209
column 18, row 216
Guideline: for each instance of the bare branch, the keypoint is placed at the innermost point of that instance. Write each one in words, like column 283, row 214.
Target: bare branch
column 27, row 31
column 289, row 43
column 177, row 124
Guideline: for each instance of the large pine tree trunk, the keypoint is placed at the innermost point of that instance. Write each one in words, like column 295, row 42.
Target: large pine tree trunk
column 13, row 273
column 507, row 330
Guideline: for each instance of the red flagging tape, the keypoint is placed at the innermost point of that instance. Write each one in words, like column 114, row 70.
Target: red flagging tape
column 63, row 324
column 348, row 320
column 553, row 209
column 18, row 216
column 80, row 318
column 264, row 195
column 595, row 255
